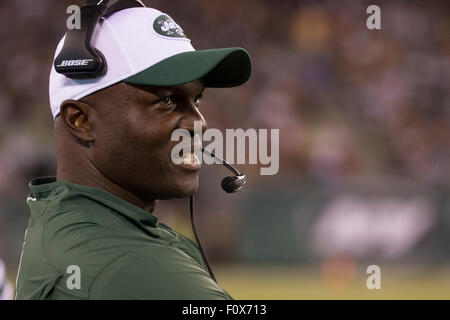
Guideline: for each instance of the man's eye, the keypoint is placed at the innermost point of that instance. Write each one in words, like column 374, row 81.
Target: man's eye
column 168, row 100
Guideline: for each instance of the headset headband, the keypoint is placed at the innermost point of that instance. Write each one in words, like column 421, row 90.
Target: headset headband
column 78, row 59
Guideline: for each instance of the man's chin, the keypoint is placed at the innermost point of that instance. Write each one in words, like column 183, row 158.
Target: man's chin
column 180, row 191
column 179, row 195
column 187, row 192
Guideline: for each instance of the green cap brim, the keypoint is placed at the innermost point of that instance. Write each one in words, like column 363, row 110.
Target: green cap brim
column 218, row 68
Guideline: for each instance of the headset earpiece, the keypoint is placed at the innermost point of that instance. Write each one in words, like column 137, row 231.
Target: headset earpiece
column 78, row 59
column 103, row 66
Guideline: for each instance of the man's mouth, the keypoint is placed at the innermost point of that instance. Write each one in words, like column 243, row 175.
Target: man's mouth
column 190, row 160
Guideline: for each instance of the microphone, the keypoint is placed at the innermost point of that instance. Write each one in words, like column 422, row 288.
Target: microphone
column 229, row 184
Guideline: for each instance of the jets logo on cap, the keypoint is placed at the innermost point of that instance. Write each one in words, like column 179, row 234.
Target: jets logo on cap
column 166, row 27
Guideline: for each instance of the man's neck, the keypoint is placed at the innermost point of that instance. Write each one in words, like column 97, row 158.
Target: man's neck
column 93, row 178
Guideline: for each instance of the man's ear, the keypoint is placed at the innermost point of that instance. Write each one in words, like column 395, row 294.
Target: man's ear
column 77, row 117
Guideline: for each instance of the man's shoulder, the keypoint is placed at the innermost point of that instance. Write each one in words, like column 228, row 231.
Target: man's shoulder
column 72, row 217
column 155, row 272
column 68, row 227
column 87, row 234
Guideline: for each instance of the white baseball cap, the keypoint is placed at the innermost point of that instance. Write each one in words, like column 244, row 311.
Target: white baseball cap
column 146, row 46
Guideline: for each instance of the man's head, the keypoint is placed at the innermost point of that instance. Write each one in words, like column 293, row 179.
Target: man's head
column 115, row 131
column 124, row 132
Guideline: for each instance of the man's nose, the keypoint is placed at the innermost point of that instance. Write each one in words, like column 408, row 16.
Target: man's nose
column 193, row 120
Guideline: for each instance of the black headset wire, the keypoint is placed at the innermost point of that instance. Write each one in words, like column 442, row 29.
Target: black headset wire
column 237, row 173
column 198, row 240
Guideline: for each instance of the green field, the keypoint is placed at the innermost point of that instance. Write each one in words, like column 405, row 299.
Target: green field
column 299, row 283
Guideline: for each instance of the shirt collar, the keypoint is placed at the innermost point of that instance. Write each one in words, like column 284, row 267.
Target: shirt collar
column 138, row 215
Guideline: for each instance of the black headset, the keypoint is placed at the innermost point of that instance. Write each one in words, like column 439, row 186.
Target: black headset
column 79, row 60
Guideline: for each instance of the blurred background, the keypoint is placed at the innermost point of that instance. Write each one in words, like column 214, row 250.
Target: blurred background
column 364, row 120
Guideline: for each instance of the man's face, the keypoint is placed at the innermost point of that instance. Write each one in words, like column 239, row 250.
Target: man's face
column 133, row 127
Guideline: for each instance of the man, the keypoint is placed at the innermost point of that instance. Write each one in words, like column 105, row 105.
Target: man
column 92, row 233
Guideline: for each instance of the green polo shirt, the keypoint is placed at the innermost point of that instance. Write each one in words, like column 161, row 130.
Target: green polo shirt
column 85, row 243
